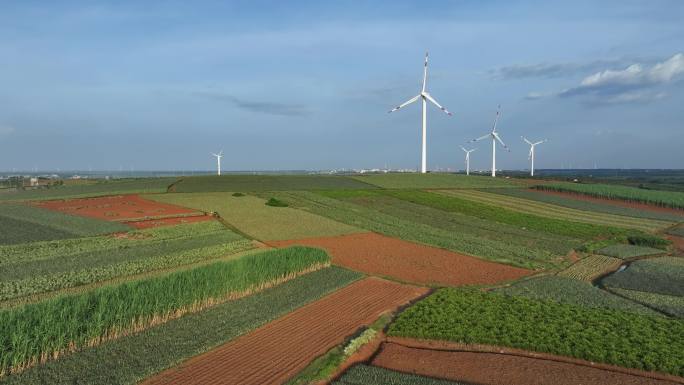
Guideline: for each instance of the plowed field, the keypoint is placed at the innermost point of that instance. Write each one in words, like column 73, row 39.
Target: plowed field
column 277, row 351
column 615, row 202
column 410, row 262
column 503, row 369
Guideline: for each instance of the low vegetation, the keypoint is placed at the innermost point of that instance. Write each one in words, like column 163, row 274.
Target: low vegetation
column 253, row 183
column 623, row 251
column 435, row 180
column 647, row 240
column 677, row 231
column 598, row 335
column 36, row 332
column 130, row 359
column 21, row 223
column 667, row 304
column 654, row 197
column 99, row 188
column 658, row 275
column 366, row 374
column 571, row 291
column 275, row 203
column 591, row 267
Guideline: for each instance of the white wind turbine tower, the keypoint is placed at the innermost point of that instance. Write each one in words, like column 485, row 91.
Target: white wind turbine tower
column 531, row 156
column 424, row 96
column 467, row 158
column 218, row 160
column 495, row 138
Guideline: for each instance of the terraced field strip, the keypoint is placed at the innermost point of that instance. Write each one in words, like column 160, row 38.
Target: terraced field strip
column 100, row 188
column 436, row 180
column 251, row 183
column 277, row 351
column 557, row 212
column 494, row 368
column 589, row 268
column 377, row 254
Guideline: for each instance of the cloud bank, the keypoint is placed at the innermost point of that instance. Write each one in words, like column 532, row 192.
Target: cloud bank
column 269, row 108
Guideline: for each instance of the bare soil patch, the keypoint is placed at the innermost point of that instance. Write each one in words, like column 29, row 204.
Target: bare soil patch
column 506, row 367
column 614, row 202
column 678, row 243
column 125, row 208
column 377, row 254
column 279, row 350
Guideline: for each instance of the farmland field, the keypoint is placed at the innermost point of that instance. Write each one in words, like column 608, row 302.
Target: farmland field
column 628, row 251
column 670, row 199
column 53, row 326
column 100, row 188
column 552, row 211
column 249, row 183
column 668, row 304
column 435, row 180
column 251, row 216
column 659, row 275
column 598, row 335
column 365, row 374
column 590, row 267
column 572, row 202
column 21, row 223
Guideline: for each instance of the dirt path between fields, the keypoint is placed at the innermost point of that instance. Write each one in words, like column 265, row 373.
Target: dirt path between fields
column 383, row 256
column 279, row 350
column 502, row 366
column 614, row 202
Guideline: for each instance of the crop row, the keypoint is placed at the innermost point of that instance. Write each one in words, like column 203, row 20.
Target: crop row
column 571, row 291
column 38, row 331
column 366, row 374
column 128, row 360
column 246, row 183
column 598, row 335
column 659, row 275
column 557, row 212
column 655, row 197
column 590, row 267
column 452, row 231
column 99, row 188
column 623, row 251
column 22, row 223
column 668, row 304
column 595, row 207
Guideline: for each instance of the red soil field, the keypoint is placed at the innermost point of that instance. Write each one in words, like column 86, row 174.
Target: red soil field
column 120, row 208
column 614, row 202
column 279, row 350
column 492, row 368
column 377, row 254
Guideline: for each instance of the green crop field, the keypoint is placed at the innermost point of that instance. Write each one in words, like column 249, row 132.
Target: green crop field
column 251, row 216
column 453, row 231
column 22, row 223
column 595, row 207
column 668, row 304
column 557, row 212
column 100, row 188
column 660, row 275
column 435, row 180
column 678, row 231
column 366, row 374
column 628, row 251
column 130, row 359
column 655, row 197
column 254, row 183
column 40, row 267
column 591, row 267
column 572, row 291
column 37, row 330
column 598, row 335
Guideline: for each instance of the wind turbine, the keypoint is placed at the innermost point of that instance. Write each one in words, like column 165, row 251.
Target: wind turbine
column 424, row 96
column 531, row 156
column 467, row 158
column 495, row 138
column 218, row 160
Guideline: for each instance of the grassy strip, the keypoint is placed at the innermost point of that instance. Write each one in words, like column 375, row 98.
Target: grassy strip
column 435, row 180
column 572, row 291
column 557, row 212
column 668, row 304
column 651, row 275
column 101, row 188
column 628, row 251
column 589, row 268
column 245, row 183
column 130, row 359
column 36, row 332
column 452, row 231
column 22, row 223
column 584, row 205
column 655, row 197
column 365, row 374
column 251, row 216
column 598, row 335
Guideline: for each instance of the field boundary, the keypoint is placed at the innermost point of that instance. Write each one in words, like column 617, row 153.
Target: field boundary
column 448, row 346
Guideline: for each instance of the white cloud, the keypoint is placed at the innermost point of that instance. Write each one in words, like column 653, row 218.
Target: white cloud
column 6, row 130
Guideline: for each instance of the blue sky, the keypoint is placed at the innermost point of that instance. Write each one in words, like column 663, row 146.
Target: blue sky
column 307, row 85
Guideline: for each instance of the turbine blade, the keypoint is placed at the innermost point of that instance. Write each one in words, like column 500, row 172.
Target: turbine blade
column 430, row 98
column 527, row 141
column 406, row 103
column 541, row 141
column 496, row 119
column 482, row 137
column 498, row 139
column 463, row 148
column 425, row 72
